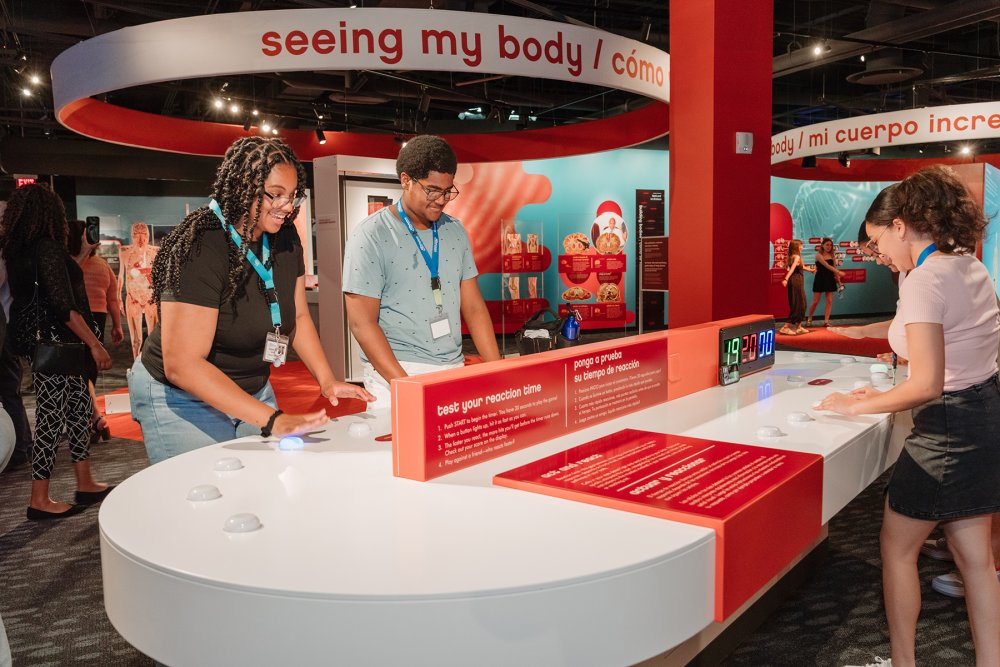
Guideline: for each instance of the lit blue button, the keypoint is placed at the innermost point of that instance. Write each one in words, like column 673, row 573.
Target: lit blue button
column 290, row 443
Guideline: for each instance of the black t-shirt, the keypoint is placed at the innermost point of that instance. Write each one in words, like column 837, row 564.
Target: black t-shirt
column 243, row 326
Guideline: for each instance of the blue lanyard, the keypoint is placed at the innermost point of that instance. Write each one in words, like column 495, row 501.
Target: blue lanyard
column 430, row 258
column 259, row 266
column 927, row 251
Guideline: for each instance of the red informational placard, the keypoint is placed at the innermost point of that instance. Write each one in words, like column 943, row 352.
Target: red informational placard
column 612, row 312
column 764, row 504
column 461, row 417
column 591, row 263
column 854, row 275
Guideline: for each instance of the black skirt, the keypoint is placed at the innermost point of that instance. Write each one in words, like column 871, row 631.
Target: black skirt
column 950, row 463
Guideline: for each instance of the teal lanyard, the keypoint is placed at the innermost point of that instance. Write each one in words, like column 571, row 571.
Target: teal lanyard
column 430, row 258
column 927, row 251
column 266, row 274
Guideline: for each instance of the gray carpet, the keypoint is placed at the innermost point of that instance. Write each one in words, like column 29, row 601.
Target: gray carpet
column 51, row 595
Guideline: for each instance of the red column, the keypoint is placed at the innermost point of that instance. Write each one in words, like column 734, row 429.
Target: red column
column 720, row 84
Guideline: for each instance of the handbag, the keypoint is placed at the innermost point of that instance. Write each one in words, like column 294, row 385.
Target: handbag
column 57, row 358
column 50, row 357
column 538, row 334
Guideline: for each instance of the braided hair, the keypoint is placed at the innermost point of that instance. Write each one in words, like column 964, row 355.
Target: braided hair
column 239, row 184
column 34, row 212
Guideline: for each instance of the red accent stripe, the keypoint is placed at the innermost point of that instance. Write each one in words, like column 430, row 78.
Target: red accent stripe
column 107, row 122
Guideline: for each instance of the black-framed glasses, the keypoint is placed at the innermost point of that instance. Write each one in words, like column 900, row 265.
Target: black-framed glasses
column 281, row 201
column 872, row 245
column 433, row 194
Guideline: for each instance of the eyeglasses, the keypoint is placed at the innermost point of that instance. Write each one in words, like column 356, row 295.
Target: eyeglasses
column 872, row 245
column 281, row 202
column 433, row 194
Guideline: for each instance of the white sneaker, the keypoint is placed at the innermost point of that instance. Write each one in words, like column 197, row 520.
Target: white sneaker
column 879, row 662
column 951, row 584
column 936, row 549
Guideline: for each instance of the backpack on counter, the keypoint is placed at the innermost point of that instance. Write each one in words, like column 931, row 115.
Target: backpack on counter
column 539, row 334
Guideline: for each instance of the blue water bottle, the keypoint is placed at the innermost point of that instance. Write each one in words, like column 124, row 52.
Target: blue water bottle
column 571, row 328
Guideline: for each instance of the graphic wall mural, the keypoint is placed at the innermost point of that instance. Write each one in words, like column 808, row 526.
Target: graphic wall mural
column 811, row 211
column 991, row 240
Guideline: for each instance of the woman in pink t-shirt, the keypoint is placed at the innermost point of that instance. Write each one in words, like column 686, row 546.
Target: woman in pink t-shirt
column 947, row 326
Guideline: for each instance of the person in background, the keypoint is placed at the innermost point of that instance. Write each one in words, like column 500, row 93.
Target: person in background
column 33, row 244
column 6, row 449
column 102, row 295
column 11, row 373
column 870, row 250
column 410, row 277
column 826, row 281
column 947, row 324
column 231, row 292
column 795, row 283
column 135, row 272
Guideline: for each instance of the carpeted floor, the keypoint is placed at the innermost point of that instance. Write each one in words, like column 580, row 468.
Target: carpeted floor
column 51, row 592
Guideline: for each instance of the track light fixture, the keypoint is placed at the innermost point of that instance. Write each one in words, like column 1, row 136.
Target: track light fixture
column 320, row 136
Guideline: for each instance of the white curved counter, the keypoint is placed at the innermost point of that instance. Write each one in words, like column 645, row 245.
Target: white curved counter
column 354, row 566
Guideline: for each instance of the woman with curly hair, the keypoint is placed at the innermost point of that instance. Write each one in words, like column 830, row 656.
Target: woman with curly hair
column 229, row 284
column 50, row 301
column 946, row 324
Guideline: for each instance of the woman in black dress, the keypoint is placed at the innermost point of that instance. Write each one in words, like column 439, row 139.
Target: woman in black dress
column 33, row 243
column 826, row 282
column 795, row 283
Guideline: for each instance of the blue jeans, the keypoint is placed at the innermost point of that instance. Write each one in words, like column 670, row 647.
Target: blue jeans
column 174, row 422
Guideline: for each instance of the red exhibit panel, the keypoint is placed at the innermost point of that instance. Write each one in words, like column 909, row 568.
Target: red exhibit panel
column 764, row 504
column 454, row 419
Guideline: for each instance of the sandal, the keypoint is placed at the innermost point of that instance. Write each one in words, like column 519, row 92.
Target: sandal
column 801, row 330
column 99, row 430
column 785, row 331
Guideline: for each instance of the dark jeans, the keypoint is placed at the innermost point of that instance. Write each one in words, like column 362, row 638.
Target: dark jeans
column 10, row 396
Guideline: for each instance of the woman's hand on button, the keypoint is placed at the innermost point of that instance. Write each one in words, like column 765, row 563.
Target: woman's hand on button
column 296, row 424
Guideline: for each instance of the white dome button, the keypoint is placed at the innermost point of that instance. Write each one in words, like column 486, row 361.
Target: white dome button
column 799, row 417
column 204, row 492
column 861, row 384
column 228, row 463
column 769, row 432
column 242, row 523
column 290, row 443
column 848, row 360
column 795, row 379
column 359, row 430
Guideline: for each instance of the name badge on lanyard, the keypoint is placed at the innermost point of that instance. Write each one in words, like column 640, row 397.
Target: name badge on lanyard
column 276, row 345
column 440, row 324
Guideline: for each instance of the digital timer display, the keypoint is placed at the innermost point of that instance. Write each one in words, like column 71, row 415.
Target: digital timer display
column 749, row 347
